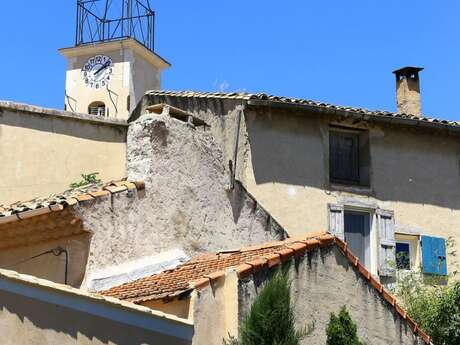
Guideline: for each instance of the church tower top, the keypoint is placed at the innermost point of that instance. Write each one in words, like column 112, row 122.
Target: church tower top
column 110, row 20
column 113, row 62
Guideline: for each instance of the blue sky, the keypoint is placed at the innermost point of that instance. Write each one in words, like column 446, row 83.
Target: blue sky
column 331, row 50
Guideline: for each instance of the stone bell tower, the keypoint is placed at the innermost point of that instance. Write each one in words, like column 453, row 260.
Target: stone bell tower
column 113, row 62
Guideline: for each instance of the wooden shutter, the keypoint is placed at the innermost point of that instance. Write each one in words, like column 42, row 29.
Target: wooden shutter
column 434, row 255
column 336, row 220
column 387, row 243
column 344, row 157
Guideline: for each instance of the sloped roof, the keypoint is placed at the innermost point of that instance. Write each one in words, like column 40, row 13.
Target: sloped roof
column 201, row 270
column 57, row 202
column 184, row 277
column 260, row 99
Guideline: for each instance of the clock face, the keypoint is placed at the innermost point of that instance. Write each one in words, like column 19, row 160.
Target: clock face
column 97, row 71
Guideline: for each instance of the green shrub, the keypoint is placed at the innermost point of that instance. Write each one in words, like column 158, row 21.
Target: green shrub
column 271, row 318
column 435, row 308
column 341, row 330
column 86, row 181
column 433, row 302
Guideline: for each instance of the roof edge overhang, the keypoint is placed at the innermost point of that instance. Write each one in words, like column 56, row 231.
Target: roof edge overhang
column 95, row 304
column 57, row 113
column 100, row 47
column 418, row 123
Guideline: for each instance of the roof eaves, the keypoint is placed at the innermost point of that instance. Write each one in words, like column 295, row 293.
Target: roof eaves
column 63, row 114
column 21, row 211
column 363, row 114
column 96, row 298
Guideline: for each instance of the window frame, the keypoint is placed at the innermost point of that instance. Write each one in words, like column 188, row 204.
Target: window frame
column 102, row 109
column 363, row 157
column 410, row 255
column 356, row 135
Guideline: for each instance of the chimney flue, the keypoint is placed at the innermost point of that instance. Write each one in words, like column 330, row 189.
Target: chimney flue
column 408, row 90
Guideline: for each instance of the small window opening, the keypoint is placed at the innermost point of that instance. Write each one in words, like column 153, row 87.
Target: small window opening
column 403, row 256
column 349, row 157
column 98, row 108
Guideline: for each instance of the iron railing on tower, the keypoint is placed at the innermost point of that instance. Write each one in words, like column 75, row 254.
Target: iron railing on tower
column 109, row 20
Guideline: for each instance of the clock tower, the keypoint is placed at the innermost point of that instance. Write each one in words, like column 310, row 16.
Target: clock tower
column 113, row 62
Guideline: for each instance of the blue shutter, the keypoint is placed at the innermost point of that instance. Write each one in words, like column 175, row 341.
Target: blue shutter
column 434, row 255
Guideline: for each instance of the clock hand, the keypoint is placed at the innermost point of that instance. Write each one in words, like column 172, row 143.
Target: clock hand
column 104, row 66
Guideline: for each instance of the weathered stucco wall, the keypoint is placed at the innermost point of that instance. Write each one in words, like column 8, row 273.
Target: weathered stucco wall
column 414, row 173
column 186, row 204
column 322, row 283
column 283, row 162
column 42, row 151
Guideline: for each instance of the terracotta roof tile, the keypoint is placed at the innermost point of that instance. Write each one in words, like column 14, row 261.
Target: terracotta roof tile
column 57, row 202
column 406, row 118
column 203, row 269
column 179, row 279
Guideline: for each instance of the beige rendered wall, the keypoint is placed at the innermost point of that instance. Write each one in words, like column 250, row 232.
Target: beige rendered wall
column 42, row 153
column 414, row 173
column 215, row 311
column 322, row 283
column 49, row 266
column 53, row 317
column 178, row 307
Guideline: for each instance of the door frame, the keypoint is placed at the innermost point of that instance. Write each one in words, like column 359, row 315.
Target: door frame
column 371, row 259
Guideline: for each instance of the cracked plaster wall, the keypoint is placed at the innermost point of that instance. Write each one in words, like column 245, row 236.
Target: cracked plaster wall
column 185, row 205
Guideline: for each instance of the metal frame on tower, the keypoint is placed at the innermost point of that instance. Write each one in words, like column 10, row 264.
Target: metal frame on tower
column 109, row 20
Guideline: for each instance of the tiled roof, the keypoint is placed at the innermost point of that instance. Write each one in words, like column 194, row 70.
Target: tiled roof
column 200, row 271
column 261, row 97
column 57, row 202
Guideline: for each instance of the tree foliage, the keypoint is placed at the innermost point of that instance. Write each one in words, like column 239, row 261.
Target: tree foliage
column 434, row 307
column 341, row 330
column 271, row 319
column 433, row 302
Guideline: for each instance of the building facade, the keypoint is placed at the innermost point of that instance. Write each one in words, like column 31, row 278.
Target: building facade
column 385, row 182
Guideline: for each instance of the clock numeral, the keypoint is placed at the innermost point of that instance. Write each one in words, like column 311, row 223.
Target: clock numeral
column 97, row 71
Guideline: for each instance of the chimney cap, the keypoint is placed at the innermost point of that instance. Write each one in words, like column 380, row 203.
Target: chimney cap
column 408, row 70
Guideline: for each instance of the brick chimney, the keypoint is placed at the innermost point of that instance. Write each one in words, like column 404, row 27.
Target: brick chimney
column 408, row 90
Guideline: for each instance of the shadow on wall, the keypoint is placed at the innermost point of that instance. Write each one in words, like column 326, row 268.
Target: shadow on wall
column 293, row 150
column 45, row 260
column 30, row 321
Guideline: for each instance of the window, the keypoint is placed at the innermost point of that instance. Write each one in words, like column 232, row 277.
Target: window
column 403, row 256
column 97, row 108
column 349, row 157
